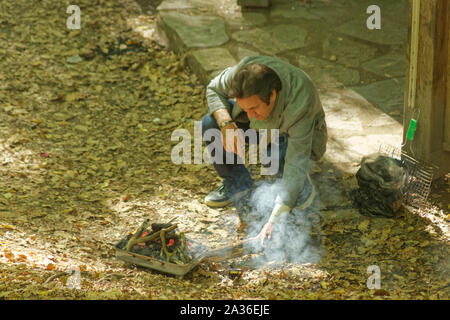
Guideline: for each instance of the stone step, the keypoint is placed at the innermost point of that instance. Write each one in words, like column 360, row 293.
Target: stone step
column 198, row 37
column 186, row 31
column 207, row 63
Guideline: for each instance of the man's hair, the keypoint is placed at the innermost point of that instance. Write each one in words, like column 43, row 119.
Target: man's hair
column 255, row 79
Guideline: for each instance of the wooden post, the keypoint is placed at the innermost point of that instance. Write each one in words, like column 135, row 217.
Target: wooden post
column 254, row 3
column 447, row 107
column 431, row 107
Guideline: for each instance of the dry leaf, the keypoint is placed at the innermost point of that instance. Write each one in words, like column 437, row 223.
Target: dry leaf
column 50, row 266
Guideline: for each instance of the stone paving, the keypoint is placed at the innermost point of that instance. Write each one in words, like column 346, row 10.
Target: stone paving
column 360, row 73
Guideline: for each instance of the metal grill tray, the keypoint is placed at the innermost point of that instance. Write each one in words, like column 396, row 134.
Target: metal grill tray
column 419, row 176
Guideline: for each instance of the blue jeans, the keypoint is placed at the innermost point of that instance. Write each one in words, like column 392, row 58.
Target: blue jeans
column 237, row 174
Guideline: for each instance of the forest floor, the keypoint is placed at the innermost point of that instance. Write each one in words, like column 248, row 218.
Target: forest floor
column 86, row 118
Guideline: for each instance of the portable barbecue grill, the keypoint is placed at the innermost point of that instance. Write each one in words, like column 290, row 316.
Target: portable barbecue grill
column 179, row 270
column 197, row 251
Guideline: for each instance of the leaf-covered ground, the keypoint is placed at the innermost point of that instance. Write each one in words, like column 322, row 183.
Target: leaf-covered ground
column 86, row 119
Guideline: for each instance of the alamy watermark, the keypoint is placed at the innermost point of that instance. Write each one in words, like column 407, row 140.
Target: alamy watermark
column 74, row 281
column 181, row 153
column 374, row 281
column 74, row 21
column 374, row 21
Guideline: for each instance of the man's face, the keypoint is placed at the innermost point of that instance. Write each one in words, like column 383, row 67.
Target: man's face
column 255, row 107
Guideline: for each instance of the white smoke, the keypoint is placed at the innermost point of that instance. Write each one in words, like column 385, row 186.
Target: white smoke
column 291, row 237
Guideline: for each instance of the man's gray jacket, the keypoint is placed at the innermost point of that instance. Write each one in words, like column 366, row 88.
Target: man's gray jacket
column 298, row 113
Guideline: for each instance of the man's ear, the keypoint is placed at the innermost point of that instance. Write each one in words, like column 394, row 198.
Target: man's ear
column 273, row 94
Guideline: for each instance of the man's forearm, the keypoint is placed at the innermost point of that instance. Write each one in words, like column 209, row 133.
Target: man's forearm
column 279, row 212
column 221, row 115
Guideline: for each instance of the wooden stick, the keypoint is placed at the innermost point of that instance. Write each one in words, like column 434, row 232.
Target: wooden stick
column 56, row 275
column 137, row 234
column 247, row 246
column 153, row 236
column 162, row 234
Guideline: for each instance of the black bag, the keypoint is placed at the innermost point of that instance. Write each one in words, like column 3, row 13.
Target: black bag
column 380, row 181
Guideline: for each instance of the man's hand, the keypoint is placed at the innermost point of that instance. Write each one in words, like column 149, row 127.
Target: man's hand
column 266, row 232
column 235, row 141
column 279, row 213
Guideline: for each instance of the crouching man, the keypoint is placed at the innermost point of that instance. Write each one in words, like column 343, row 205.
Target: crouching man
column 264, row 92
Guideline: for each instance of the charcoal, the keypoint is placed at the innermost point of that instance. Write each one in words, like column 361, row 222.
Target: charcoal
column 177, row 249
column 146, row 251
column 153, row 249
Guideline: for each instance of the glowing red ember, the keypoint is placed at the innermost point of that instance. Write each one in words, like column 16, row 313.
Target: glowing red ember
column 144, row 234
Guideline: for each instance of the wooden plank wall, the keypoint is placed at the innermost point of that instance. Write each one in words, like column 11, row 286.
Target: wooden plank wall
column 447, row 108
column 431, row 85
